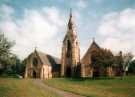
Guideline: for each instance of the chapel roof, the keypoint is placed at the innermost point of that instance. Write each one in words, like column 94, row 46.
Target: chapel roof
column 45, row 58
column 86, row 57
column 48, row 59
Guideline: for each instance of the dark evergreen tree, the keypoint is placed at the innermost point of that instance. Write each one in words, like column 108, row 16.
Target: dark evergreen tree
column 132, row 67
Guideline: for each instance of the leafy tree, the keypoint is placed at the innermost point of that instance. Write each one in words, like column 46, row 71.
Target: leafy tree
column 127, row 59
column 122, row 62
column 118, row 63
column 5, row 51
column 101, row 59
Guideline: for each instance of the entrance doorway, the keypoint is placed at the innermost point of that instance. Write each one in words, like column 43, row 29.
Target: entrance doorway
column 68, row 72
column 34, row 74
column 96, row 72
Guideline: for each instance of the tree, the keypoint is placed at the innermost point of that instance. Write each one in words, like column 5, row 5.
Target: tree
column 132, row 67
column 122, row 62
column 119, row 64
column 101, row 59
column 5, row 51
column 127, row 59
column 11, row 64
column 18, row 67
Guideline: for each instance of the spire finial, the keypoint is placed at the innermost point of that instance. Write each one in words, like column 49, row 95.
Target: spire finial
column 70, row 23
column 70, row 12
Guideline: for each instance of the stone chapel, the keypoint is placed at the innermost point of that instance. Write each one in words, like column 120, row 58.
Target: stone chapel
column 41, row 65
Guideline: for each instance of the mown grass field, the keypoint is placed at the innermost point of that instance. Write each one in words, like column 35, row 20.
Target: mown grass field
column 96, row 88
column 12, row 87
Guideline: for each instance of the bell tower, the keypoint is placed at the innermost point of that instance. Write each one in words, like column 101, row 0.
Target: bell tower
column 70, row 50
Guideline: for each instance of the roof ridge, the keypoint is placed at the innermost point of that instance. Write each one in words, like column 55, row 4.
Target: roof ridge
column 45, row 58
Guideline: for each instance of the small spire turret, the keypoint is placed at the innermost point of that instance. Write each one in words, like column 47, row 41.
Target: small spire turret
column 70, row 22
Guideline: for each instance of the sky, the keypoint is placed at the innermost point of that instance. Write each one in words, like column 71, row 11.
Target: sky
column 43, row 24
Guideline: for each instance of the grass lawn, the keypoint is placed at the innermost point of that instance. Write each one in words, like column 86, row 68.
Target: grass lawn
column 96, row 88
column 12, row 87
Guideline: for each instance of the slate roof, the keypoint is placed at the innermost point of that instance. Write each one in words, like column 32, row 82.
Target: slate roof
column 48, row 59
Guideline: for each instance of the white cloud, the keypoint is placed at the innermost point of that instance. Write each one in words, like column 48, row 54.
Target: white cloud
column 82, row 4
column 118, row 30
column 6, row 11
column 36, row 28
column 78, row 4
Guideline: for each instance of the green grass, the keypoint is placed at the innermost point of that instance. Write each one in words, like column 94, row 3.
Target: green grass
column 12, row 87
column 96, row 88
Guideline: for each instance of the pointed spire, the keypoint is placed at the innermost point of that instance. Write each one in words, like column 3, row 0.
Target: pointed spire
column 94, row 44
column 70, row 22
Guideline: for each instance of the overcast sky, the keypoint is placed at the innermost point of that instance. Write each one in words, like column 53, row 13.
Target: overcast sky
column 43, row 24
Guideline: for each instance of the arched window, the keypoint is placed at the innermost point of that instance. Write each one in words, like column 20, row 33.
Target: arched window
column 68, row 48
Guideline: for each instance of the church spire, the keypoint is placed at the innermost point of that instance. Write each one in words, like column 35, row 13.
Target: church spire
column 70, row 22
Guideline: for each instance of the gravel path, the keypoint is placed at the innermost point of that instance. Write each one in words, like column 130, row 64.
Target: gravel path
column 57, row 91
